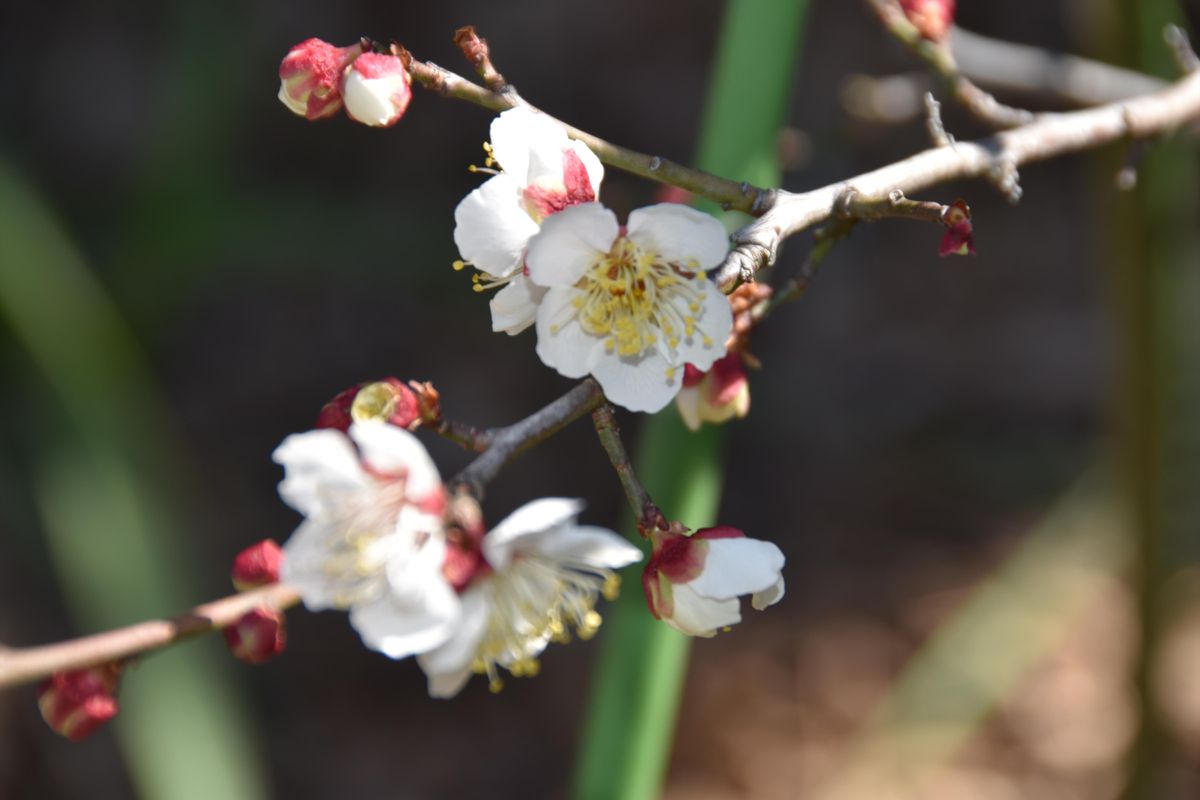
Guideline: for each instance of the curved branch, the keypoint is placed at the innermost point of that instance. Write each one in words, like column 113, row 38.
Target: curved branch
column 997, row 157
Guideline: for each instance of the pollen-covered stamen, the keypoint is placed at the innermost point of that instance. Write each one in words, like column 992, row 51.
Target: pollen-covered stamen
column 362, row 550
column 535, row 601
column 482, row 281
column 636, row 300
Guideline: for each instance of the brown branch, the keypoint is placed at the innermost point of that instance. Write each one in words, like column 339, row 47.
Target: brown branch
column 508, row 442
column 757, row 244
column 23, row 665
column 940, row 58
column 644, row 509
column 730, row 194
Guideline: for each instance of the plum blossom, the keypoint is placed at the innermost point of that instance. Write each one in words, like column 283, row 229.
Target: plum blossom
column 630, row 306
column 78, row 702
column 692, row 583
column 531, row 580
column 372, row 539
column 544, row 172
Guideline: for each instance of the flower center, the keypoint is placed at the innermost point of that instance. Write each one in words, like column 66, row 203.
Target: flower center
column 632, row 297
column 533, row 602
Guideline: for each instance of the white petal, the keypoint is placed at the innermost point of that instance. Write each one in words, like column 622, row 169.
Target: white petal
column 715, row 321
column 320, row 467
column 446, row 664
column 637, row 384
column 389, row 449
column 570, row 243
column 584, row 545
column 769, row 596
column 306, row 556
column 535, row 517
column 561, row 342
column 591, row 163
column 492, row 228
column 701, row 616
column 401, row 625
column 679, row 234
column 738, row 566
column 521, row 136
column 688, row 403
column 514, row 308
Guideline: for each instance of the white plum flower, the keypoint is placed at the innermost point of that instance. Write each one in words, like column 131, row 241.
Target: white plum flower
column 544, row 171
column 372, row 539
column 539, row 577
column 630, row 306
column 693, row 583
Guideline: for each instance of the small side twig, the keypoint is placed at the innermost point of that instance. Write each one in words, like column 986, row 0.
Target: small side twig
column 941, row 59
column 1181, row 47
column 505, row 444
column 477, row 52
column 647, row 513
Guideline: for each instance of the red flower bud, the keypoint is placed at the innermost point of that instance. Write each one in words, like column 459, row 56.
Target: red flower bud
column 76, row 703
column 932, row 18
column 388, row 400
column 310, row 77
column 959, row 238
column 258, row 636
column 257, row 565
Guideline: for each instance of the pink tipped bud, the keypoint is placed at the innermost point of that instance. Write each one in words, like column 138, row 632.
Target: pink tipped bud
column 258, row 636
column 959, row 238
column 76, row 703
column 716, row 396
column 310, row 77
column 377, row 90
column 257, row 565
column 932, row 18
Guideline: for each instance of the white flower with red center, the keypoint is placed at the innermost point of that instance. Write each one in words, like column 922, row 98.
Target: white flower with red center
column 372, row 540
column 310, row 77
column 693, row 583
column 376, row 89
column 536, row 577
column 630, row 306
column 715, row 396
column 544, row 171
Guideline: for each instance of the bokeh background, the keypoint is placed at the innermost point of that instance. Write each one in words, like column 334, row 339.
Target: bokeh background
column 964, row 459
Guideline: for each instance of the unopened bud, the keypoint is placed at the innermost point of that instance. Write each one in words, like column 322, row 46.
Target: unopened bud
column 76, row 703
column 258, row 636
column 388, row 400
column 377, row 89
column 257, row 565
column 310, row 77
column 716, row 396
column 932, row 18
column 959, row 238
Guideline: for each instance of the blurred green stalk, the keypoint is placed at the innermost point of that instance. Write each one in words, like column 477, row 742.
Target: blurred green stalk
column 1155, row 296
column 630, row 722
column 102, row 480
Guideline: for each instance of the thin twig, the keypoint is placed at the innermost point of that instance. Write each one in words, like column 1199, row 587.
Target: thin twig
column 729, row 194
column 791, row 290
column 757, row 244
column 23, row 665
column 941, row 59
column 509, row 442
column 643, row 507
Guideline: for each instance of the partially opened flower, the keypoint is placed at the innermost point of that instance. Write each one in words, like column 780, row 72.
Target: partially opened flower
column 310, row 77
column 538, row 578
column 544, row 172
column 693, row 583
column 718, row 395
column 376, row 89
column 372, row 539
column 630, row 306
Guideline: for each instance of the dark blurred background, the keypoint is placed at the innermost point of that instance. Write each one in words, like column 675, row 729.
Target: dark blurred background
column 204, row 270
